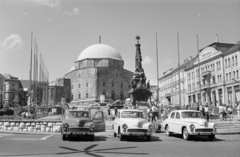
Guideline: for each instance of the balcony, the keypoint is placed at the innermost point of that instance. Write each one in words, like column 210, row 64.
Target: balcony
column 206, row 73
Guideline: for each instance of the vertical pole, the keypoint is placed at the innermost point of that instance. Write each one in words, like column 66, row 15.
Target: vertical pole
column 157, row 69
column 179, row 72
column 30, row 77
column 199, row 73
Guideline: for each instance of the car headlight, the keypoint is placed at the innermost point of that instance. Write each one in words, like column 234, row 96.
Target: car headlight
column 124, row 126
column 92, row 125
column 150, row 127
column 215, row 127
column 65, row 126
column 192, row 127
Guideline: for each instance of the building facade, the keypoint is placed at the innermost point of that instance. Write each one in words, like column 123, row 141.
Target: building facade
column 2, row 80
column 59, row 89
column 99, row 72
column 14, row 94
column 212, row 77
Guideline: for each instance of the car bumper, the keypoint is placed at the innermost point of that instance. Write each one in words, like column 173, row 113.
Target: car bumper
column 79, row 133
column 137, row 133
column 202, row 133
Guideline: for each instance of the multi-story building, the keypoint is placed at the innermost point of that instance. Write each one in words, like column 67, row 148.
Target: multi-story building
column 58, row 89
column 2, row 80
column 14, row 93
column 212, row 77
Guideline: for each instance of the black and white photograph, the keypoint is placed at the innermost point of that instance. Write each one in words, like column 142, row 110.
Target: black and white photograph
column 109, row 78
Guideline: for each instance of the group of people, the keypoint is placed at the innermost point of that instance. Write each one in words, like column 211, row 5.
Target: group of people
column 225, row 111
column 153, row 112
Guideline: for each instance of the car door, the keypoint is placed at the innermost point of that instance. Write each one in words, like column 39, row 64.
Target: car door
column 99, row 122
column 178, row 123
column 171, row 122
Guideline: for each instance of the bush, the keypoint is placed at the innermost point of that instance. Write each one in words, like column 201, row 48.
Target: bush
column 18, row 111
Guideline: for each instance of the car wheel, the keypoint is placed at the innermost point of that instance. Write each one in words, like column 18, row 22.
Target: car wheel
column 167, row 131
column 121, row 137
column 91, row 137
column 211, row 137
column 149, row 138
column 185, row 134
column 114, row 134
column 64, row 137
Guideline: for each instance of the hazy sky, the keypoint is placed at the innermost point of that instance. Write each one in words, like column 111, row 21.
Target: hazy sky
column 64, row 28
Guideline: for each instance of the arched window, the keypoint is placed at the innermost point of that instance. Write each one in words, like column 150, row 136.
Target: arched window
column 86, row 84
column 79, row 95
column 79, row 85
column 113, row 95
column 86, row 95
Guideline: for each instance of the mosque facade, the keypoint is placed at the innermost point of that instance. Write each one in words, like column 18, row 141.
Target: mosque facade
column 99, row 75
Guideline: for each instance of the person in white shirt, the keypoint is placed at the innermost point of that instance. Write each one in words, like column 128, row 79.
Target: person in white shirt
column 238, row 111
column 220, row 112
column 206, row 112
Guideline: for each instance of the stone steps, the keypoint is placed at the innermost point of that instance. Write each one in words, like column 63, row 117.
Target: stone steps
column 228, row 127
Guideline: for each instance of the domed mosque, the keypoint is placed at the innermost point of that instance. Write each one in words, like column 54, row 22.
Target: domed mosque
column 99, row 75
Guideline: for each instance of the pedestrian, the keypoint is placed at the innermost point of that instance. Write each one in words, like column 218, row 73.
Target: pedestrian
column 238, row 110
column 149, row 113
column 224, row 112
column 206, row 112
column 153, row 113
column 230, row 110
column 115, row 109
column 187, row 107
column 220, row 110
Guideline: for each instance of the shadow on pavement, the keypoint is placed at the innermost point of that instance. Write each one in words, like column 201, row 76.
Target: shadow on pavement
column 198, row 138
column 87, row 139
column 90, row 150
column 142, row 139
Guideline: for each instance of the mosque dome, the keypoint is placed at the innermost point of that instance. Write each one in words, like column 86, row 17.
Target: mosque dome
column 100, row 51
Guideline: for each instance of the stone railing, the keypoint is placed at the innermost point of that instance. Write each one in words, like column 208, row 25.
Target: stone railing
column 31, row 125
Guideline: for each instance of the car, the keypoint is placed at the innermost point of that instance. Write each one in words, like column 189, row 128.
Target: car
column 82, row 122
column 131, row 122
column 189, row 123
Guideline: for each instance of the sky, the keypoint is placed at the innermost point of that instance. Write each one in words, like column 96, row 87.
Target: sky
column 64, row 28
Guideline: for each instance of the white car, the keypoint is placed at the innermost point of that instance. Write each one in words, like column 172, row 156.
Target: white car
column 131, row 122
column 188, row 123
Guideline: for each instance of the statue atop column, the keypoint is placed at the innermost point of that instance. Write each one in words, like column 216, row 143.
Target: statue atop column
column 139, row 79
column 140, row 89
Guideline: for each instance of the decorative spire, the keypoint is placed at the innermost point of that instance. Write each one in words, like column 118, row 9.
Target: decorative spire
column 138, row 38
column 216, row 38
column 100, row 39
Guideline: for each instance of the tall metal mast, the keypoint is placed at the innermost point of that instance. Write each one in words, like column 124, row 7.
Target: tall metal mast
column 179, row 72
column 157, row 70
column 30, row 77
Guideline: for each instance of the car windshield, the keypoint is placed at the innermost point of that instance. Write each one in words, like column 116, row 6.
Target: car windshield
column 78, row 114
column 131, row 114
column 192, row 115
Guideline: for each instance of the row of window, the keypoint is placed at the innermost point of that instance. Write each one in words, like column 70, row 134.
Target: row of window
column 234, row 62
column 79, row 75
column 103, row 84
column 113, row 95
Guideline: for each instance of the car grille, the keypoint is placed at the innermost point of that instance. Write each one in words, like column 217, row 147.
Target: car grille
column 137, row 130
column 78, row 129
column 203, row 130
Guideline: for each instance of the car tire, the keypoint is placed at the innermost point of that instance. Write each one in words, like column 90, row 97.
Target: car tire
column 120, row 137
column 185, row 134
column 149, row 138
column 211, row 137
column 114, row 134
column 64, row 137
column 91, row 137
column 167, row 131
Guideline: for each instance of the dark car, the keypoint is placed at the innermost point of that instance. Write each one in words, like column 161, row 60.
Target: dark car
column 84, row 122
